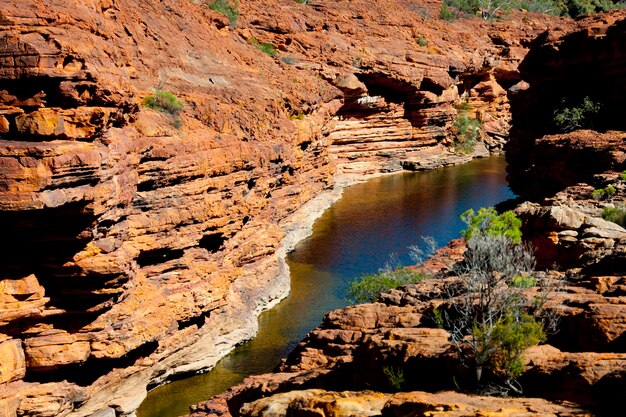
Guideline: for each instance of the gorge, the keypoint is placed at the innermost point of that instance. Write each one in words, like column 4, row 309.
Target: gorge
column 145, row 244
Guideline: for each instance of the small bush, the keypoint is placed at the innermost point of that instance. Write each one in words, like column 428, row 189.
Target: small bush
column 501, row 345
column 521, row 281
column 265, row 47
column 164, row 101
column 580, row 116
column 421, row 41
column 488, row 222
column 615, row 214
column 395, row 377
column 368, row 287
column 230, row 9
column 603, row 193
column 289, row 60
column 445, row 13
column 466, row 129
column 622, row 176
column 543, row 6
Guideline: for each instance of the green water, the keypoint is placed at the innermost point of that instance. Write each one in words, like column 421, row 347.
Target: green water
column 358, row 234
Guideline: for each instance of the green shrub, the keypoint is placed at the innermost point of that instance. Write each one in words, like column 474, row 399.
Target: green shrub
column 603, row 193
column 487, row 9
column 622, row 176
column 228, row 8
column 421, row 41
column 445, row 13
column 521, row 281
column 265, row 47
column 543, row 6
column 368, row 287
column 488, row 222
column 466, row 129
column 303, row 1
column 615, row 214
column 501, row 345
column 164, row 101
column 395, row 377
column 579, row 116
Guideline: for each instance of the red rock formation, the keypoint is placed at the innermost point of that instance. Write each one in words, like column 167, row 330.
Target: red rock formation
column 563, row 69
column 140, row 249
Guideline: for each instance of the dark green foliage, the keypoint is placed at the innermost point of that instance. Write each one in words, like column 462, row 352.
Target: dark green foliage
column 579, row 116
column 615, row 214
column 395, row 377
column 488, row 222
column 164, row 101
column 368, row 287
column 487, row 9
column 228, row 8
column 265, row 47
column 490, row 9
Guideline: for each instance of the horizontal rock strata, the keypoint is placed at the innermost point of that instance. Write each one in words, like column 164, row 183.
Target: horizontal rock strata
column 145, row 243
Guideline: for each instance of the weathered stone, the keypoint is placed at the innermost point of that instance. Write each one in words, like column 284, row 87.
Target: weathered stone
column 55, row 348
column 12, row 363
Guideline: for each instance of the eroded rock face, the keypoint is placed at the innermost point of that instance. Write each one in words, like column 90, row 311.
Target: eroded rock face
column 562, row 70
column 143, row 243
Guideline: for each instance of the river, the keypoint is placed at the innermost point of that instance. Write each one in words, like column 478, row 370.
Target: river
column 372, row 222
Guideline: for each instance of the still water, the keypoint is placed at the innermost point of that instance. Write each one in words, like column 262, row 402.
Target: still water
column 372, row 222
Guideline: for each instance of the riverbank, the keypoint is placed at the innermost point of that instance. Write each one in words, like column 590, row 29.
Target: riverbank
column 356, row 235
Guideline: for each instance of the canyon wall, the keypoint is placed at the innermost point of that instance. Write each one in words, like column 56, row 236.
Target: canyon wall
column 143, row 244
column 393, row 358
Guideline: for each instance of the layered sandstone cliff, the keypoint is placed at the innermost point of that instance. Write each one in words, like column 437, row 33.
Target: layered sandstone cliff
column 140, row 248
column 342, row 367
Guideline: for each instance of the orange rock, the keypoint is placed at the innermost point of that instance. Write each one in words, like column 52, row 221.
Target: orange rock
column 12, row 364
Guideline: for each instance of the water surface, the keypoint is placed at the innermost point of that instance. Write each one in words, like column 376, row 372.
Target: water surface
column 358, row 234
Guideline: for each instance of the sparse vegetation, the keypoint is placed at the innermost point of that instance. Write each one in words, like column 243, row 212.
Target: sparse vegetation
column 368, row 287
column 579, row 116
column 165, row 102
column 289, row 60
column 603, row 193
column 490, row 9
column 622, row 176
column 488, row 222
column 615, row 214
column 395, row 377
column 265, row 47
column 466, row 129
column 229, row 8
column 421, row 41
column 488, row 316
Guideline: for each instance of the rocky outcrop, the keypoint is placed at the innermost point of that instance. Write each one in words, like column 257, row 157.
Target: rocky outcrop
column 445, row 404
column 356, row 348
column 562, row 70
column 402, row 72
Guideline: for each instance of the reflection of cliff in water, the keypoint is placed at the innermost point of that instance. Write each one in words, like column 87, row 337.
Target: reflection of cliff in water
column 356, row 235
